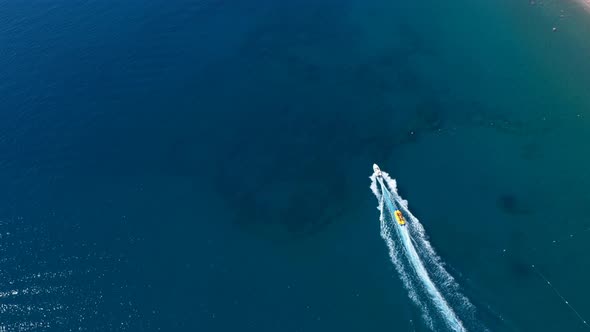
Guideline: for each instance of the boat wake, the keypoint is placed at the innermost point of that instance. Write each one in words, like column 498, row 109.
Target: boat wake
column 430, row 287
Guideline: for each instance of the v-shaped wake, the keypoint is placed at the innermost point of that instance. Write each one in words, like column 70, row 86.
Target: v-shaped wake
column 429, row 285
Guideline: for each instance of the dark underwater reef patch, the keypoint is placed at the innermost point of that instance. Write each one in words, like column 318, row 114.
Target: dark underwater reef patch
column 432, row 116
column 428, row 116
column 519, row 269
column 478, row 115
column 511, row 204
column 481, row 116
column 288, row 180
column 292, row 204
column 291, row 179
column 414, row 42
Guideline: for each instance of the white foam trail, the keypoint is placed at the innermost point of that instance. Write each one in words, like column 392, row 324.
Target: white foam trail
column 414, row 259
column 395, row 259
column 418, row 234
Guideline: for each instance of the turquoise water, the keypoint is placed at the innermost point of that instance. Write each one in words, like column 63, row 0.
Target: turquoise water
column 204, row 165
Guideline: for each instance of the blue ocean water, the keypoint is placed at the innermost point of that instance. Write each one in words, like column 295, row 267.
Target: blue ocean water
column 203, row 165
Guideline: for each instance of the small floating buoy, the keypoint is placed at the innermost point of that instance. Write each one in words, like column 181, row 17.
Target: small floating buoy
column 554, row 29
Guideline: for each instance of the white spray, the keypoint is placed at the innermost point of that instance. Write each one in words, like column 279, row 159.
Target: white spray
column 416, row 249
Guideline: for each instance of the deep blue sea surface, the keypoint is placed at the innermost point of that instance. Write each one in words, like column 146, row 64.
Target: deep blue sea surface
column 203, row 165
